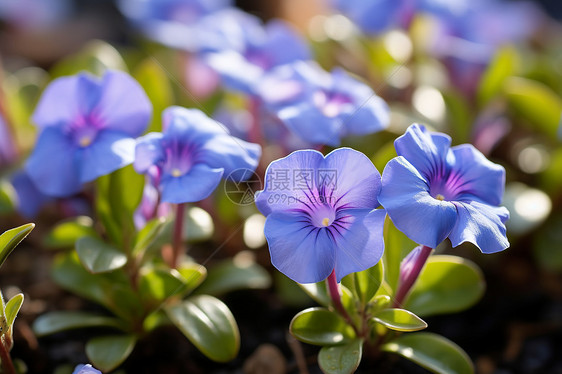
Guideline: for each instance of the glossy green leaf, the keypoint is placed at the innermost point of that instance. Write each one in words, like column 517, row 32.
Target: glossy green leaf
column 502, row 66
column 11, row 238
column 318, row 292
column 99, row 257
column 321, row 326
column 431, row 351
column 159, row 284
column 198, row 225
column 108, row 352
column 380, row 302
column 156, row 84
column 95, row 57
column 341, row 359
column 111, row 290
column 65, row 234
column 148, row 234
column 12, row 309
column 399, row 320
column 242, row 272
column 193, row 275
column 53, row 322
column 365, row 284
column 396, row 246
column 209, row 325
column 447, row 284
column 535, row 102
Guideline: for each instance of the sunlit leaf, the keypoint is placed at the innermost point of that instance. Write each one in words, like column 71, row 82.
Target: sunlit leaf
column 341, row 359
column 99, row 257
column 54, row 322
column 11, row 238
column 399, row 320
column 108, row 352
column 321, row 326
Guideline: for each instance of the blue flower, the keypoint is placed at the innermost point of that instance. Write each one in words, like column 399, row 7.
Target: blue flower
column 375, row 16
column 30, row 199
column 175, row 23
column 85, row 369
column 432, row 191
column 249, row 48
column 321, row 214
column 192, row 155
column 88, row 126
column 322, row 107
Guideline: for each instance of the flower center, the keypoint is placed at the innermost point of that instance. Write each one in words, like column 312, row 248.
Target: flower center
column 85, row 141
column 440, row 197
column 176, row 173
column 326, row 221
column 323, row 216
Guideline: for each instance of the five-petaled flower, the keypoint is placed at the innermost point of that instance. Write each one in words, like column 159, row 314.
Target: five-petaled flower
column 192, row 155
column 88, row 126
column 321, row 107
column 432, row 191
column 329, row 224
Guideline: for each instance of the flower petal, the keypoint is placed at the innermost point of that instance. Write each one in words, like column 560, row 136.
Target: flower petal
column 123, row 105
column 427, row 152
column 481, row 225
column 236, row 72
column 360, row 246
column 405, row 196
column 478, row 177
column 308, row 123
column 280, row 193
column 367, row 117
column 52, row 166
column 302, row 252
column 110, row 151
column 284, row 44
column 30, row 199
column 234, row 155
column 80, row 93
column 190, row 125
column 148, row 151
column 194, row 186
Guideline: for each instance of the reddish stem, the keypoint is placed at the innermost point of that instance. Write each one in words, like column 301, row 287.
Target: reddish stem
column 335, row 295
column 7, row 364
column 406, row 284
column 177, row 240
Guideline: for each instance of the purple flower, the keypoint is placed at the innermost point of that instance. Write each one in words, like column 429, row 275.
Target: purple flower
column 175, row 23
column 30, row 199
column 250, row 49
column 432, row 191
column 192, row 155
column 88, row 126
column 321, row 214
column 85, row 369
column 322, row 107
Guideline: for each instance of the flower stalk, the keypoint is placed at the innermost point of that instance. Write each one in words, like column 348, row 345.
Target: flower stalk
column 7, row 364
column 177, row 240
column 335, row 295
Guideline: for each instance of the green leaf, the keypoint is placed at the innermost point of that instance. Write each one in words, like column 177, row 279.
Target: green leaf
column 157, row 285
column 535, row 102
column 242, row 272
column 111, row 290
column 431, row 351
column 459, row 113
column 321, row 326
column 156, row 84
column 11, row 238
column 193, row 275
column 108, row 352
column 365, row 284
column 500, row 68
column 399, row 320
column 12, row 308
column 209, row 325
column 65, row 234
column 99, row 257
column 198, row 225
column 96, row 57
column 447, row 284
column 54, row 322
column 341, row 359
column 396, row 246
column 318, row 292
column 148, row 234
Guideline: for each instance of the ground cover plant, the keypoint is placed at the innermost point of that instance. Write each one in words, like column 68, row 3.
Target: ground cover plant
column 325, row 187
